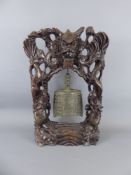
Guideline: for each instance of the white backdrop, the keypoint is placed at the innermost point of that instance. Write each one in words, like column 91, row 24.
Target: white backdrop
column 18, row 152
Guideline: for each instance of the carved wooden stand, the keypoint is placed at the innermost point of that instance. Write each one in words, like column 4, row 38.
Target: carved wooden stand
column 86, row 58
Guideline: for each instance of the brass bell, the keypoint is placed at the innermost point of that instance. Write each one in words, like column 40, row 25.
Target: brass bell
column 67, row 102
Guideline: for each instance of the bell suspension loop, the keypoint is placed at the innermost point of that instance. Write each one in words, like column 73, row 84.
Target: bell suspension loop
column 67, row 80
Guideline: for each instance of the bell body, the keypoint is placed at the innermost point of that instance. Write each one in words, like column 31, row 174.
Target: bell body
column 68, row 103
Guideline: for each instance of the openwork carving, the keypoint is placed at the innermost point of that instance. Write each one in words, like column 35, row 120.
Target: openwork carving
column 86, row 58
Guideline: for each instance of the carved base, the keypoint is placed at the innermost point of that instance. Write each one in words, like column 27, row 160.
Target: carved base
column 54, row 133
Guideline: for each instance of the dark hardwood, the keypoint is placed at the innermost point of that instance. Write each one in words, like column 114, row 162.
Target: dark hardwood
column 66, row 50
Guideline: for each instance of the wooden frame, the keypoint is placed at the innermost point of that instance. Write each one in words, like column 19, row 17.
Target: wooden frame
column 86, row 58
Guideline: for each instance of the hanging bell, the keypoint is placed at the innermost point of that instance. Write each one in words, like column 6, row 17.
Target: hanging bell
column 67, row 101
